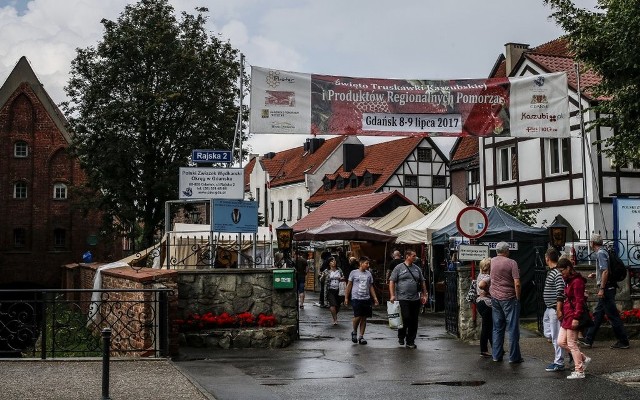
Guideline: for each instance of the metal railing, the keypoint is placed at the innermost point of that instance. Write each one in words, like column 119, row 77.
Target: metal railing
column 451, row 307
column 68, row 322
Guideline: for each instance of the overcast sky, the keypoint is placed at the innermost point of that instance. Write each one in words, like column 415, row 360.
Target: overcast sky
column 420, row 39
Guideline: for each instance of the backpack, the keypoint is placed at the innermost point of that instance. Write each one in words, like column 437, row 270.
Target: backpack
column 617, row 269
column 472, row 294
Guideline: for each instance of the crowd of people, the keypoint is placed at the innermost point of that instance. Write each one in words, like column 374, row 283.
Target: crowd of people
column 566, row 315
column 345, row 279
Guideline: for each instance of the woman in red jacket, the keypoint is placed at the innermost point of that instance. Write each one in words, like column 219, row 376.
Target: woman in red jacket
column 574, row 303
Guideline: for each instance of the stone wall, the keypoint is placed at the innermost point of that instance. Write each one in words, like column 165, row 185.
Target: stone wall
column 467, row 328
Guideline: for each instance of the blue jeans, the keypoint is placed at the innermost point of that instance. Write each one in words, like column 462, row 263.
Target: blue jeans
column 607, row 305
column 506, row 316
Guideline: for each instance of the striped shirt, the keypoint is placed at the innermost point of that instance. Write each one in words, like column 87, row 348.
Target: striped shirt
column 553, row 288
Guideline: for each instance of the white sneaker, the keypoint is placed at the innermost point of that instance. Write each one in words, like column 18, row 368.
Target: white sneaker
column 576, row 375
column 585, row 363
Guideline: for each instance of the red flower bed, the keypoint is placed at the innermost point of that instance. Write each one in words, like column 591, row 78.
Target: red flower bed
column 630, row 316
column 196, row 322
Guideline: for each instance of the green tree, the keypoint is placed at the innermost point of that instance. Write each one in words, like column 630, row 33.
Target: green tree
column 607, row 41
column 425, row 205
column 152, row 90
column 518, row 210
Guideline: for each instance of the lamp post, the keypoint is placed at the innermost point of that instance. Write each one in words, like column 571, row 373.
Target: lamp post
column 284, row 235
column 557, row 235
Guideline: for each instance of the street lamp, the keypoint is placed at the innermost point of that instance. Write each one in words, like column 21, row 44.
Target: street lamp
column 284, row 235
column 557, row 235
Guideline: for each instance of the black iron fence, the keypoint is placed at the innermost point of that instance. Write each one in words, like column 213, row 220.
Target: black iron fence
column 451, row 307
column 200, row 250
column 68, row 322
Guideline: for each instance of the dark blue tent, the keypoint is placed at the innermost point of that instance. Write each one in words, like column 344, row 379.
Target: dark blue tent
column 505, row 227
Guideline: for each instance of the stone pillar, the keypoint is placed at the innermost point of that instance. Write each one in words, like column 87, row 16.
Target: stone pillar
column 468, row 329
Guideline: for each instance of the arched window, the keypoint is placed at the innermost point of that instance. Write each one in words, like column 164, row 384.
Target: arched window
column 20, row 190
column 59, row 191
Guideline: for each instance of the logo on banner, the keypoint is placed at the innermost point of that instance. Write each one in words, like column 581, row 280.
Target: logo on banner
column 273, row 78
column 539, row 81
column 280, row 98
column 539, row 101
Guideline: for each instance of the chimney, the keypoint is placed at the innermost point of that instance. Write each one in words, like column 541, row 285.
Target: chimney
column 314, row 144
column 352, row 154
column 513, row 52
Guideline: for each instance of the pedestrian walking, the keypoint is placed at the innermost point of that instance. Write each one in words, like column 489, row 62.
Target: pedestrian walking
column 407, row 284
column 505, row 293
column 572, row 308
column 483, row 304
column 553, row 297
column 302, row 267
column 334, row 277
column 361, row 293
column 606, row 299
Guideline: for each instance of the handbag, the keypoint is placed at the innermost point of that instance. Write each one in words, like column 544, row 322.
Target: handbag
column 584, row 320
column 394, row 315
column 342, row 287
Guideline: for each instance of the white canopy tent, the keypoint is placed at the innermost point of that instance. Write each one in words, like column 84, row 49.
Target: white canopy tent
column 397, row 218
column 420, row 231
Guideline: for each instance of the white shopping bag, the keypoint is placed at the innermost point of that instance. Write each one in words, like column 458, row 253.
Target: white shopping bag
column 395, row 317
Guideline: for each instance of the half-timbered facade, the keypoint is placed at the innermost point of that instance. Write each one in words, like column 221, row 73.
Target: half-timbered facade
column 413, row 166
column 566, row 176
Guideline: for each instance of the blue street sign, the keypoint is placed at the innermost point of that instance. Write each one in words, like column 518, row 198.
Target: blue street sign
column 211, row 156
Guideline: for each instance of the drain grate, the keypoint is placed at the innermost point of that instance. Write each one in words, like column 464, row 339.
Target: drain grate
column 450, row 383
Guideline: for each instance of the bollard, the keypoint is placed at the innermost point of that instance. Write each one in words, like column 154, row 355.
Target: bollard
column 106, row 349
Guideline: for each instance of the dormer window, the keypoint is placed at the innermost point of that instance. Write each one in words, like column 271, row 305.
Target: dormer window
column 368, row 179
column 353, row 181
column 327, row 184
column 340, row 182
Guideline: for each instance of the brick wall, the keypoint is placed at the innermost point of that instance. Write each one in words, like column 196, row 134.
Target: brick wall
column 24, row 118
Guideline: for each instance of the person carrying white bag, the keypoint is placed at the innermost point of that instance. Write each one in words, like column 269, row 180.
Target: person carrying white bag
column 393, row 312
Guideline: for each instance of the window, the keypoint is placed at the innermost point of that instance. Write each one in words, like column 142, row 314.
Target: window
column 20, row 149
column 280, row 210
column 258, row 196
column 439, row 181
column 559, row 155
column 340, row 182
column 411, row 180
column 507, row 165
column 473, row 184
column 290, row 210
column 20, row 190
column 59, row 191
column 327, row 184
column 353, row 182
column 19, row 238
column 424, row 154
column 299, row 208
column 368, row 179
column 272, row 211
column 59, row 238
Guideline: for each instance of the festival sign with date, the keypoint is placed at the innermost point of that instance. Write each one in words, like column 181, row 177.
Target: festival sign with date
column 285, row 102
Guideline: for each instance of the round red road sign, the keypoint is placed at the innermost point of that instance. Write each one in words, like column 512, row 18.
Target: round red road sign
column 472, row 222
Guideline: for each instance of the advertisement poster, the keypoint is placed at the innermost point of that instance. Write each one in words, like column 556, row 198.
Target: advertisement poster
column 209, row 183
column 235, row 216
column 626, row 224
column 284, row 102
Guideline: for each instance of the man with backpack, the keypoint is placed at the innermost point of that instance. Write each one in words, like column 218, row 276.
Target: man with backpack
column 606, row 299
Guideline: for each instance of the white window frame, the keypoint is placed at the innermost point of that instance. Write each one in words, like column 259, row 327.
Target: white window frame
column 20, row 190
column 556, row 150
column 20, row 151
column 60, row 191
column 280, row 210
column 505, row 164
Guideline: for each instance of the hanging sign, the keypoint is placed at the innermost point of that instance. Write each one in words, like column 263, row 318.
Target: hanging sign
column 285, row 102
column 209, row 183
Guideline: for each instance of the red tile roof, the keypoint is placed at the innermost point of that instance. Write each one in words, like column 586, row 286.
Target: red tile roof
column 381, row 159
column 346, row 207
column 466, row 148
column 289, row 166
column 248, row 169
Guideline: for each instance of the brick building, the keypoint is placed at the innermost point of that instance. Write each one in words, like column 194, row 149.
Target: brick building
column 40, row 226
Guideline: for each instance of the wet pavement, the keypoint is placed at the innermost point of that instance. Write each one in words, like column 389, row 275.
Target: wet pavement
column 325, row 364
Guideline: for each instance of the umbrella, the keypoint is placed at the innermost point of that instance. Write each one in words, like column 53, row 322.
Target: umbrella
column 344, row 230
